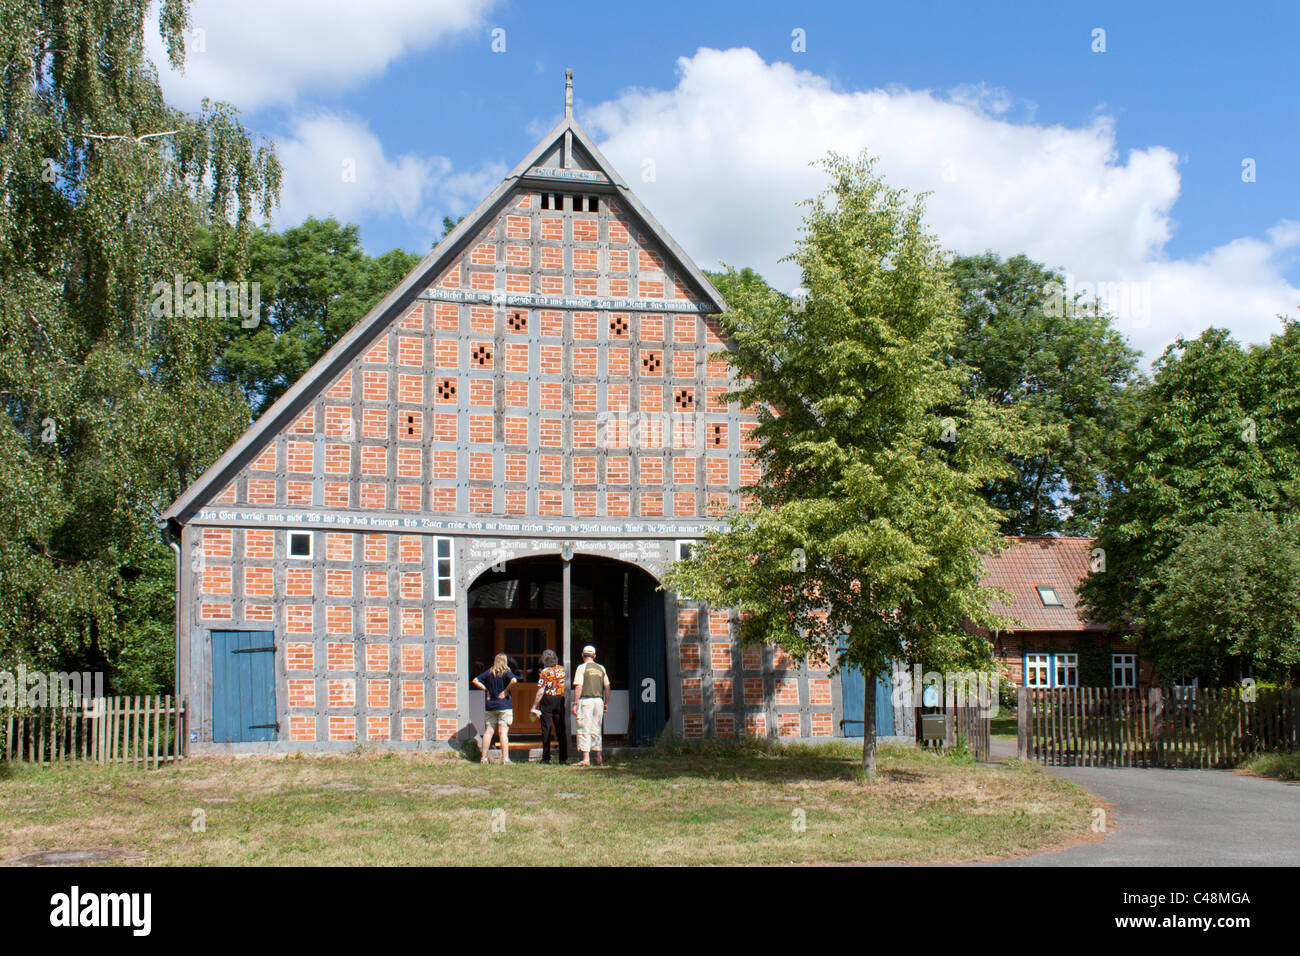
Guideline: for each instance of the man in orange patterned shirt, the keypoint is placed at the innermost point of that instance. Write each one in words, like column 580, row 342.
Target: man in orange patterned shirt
column 549, row 706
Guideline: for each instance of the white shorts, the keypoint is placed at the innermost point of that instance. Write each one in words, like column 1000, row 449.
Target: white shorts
column 496, row 718
column 591, row 712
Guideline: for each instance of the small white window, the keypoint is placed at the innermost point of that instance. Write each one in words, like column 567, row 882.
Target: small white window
column 1049, row 597
column 443, row 586
column 1123, row 670
column 1037, row 670
column 1067, row 670
column 684, row 550
column 299, row 545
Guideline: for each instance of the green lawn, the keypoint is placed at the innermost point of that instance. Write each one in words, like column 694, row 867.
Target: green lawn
column 708, row 806
column 1004, row 724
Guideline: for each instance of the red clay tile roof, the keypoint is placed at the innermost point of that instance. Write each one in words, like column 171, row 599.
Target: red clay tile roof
column 1060, row 563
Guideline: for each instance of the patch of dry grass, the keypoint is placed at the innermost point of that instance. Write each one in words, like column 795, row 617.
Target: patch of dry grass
column 709, row 806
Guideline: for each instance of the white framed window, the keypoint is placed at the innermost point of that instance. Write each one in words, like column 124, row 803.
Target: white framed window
column 299, row 547
column 1038, row 670
column 1049, row 596
column 1123, row 670
column 444, row 588
column 1067, row 670
column 684, row 550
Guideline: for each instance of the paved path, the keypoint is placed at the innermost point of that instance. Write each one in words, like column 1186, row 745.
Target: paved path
column 1181, row 818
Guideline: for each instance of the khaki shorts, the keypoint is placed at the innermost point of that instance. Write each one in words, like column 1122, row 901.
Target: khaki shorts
column 497, row 718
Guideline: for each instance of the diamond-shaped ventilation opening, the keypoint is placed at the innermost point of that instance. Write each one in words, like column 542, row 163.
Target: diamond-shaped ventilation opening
column 517, row 322
column 684, row 399
column 446, row 389
column 651, row 362
column 618, row 326
column 481, row 355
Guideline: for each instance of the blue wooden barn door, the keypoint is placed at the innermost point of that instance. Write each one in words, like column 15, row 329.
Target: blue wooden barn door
column 853, row 699
column 243, row 686
column 647, row 659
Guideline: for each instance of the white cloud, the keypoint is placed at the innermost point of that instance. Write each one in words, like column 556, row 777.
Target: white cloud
column 732, row 142
column 980, row 96
column 260, row 52
column 334, row 165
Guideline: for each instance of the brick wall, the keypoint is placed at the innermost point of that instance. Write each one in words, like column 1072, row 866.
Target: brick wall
column 727, row 690
column 1010, row 649
column 363, row 650
column 420, row 420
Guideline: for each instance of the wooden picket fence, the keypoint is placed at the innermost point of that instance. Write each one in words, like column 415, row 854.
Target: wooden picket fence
column 144, row 732
column 1159, row 727
column 971, row 724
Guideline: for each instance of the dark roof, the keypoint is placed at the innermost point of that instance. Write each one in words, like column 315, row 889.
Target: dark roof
column 1058, row 563
column 531, row 173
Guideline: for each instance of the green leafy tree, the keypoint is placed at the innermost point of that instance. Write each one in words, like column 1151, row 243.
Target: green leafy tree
column 315, row 283
column 1212, row 434
column 448, row 224
column 1227, row 601
column 108, row 404
column 869, row 520
column 1065, row 370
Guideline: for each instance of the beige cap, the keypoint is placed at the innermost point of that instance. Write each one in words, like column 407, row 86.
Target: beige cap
column 589, row 650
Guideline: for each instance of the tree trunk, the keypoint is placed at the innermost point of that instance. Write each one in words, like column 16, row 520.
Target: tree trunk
column 869, row 727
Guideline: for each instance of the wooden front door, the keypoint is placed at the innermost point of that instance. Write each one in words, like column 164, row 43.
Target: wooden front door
column 522, row 641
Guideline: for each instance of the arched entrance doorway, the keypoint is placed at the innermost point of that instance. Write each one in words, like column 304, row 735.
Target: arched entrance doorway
column 615, row 606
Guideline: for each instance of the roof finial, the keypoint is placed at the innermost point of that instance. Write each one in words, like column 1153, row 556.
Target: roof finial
column 568, row 94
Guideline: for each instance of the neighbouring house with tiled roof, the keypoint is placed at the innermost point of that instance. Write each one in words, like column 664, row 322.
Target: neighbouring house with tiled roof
column 1053, row 643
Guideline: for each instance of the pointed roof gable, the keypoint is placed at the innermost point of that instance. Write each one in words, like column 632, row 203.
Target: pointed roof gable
column 565, row 156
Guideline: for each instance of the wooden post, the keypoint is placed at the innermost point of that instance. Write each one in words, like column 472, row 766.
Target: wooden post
column 1294, row 743
column 1081, row 724
column 158, row 730
column 566, row 636
column 1155, row 717
column 1055, row 723
column 1022, row 715
column 1216, row 727
column 1040, row 724
column 1091, row 734
column 1112, row 727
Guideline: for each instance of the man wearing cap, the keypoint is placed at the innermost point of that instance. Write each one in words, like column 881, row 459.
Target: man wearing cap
column 591, row 688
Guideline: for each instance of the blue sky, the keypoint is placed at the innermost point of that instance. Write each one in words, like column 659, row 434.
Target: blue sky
column 1122, row 166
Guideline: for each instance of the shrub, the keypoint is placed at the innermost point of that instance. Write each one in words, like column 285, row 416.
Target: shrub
column 1283, row 766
